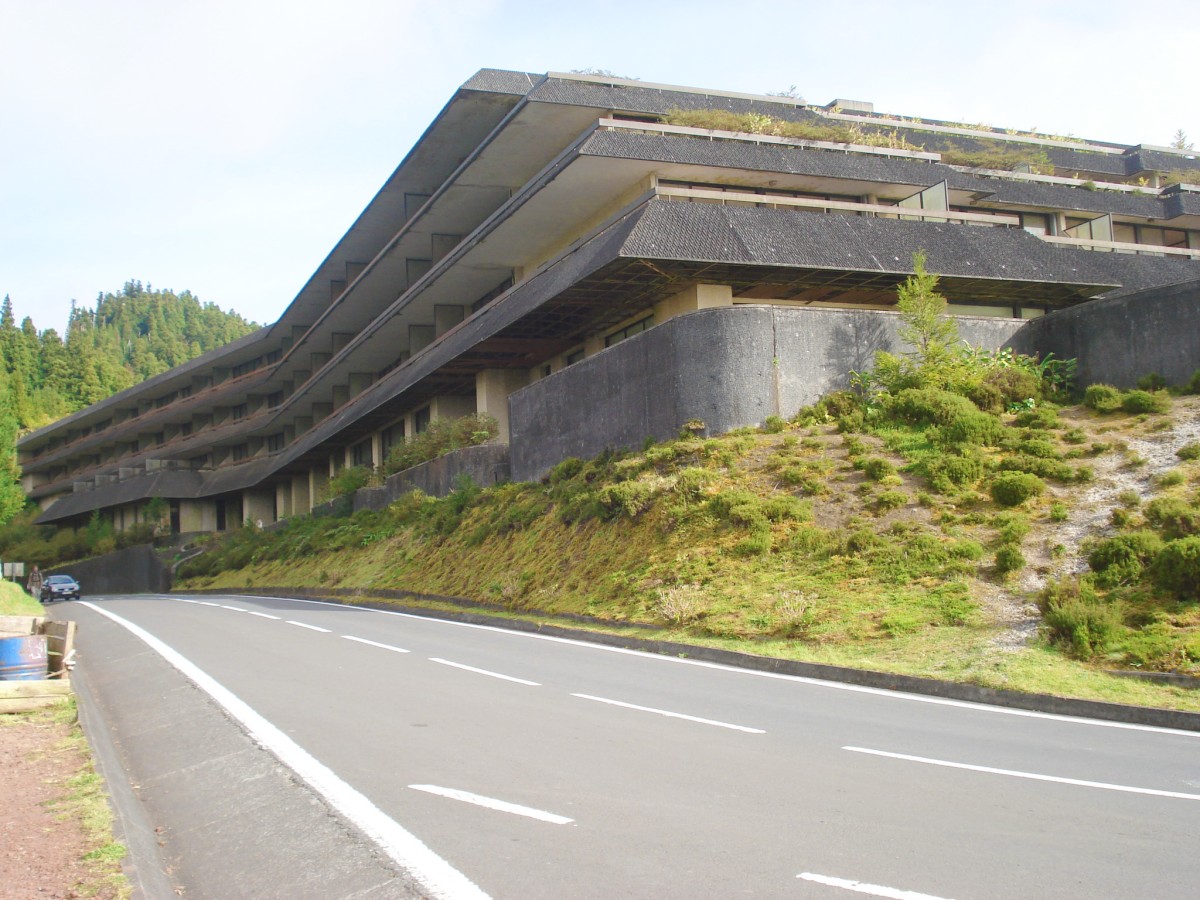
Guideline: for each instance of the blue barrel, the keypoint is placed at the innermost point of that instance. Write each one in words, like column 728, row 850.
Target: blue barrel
column 23, row 658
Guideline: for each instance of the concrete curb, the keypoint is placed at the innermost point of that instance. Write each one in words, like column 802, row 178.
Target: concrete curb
column 1044, row 703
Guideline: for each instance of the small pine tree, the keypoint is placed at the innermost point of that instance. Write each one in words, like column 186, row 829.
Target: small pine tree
column 927, row 327
column 1181, row 142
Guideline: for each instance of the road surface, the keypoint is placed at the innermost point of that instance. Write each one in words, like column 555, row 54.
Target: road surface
column 416, row 756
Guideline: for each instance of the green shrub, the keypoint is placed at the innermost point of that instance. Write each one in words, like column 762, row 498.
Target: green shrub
column 1146, row 402
column 349, row 480
column 1009, row 559
column 876, row 468
column 1177, row 568
column 1193, row 385
column 757, row 543
column 629, row 498
column 1075, row 436
column 1173, row 516
column 1014, row 384
column 1123, row 558
column 774, row 425
column 1152, row 382
column 1103, row 398
column 786, row 508
column 1059, row 512
column 890, row 500
column 1014, row 488
column 947, row 473
column 693, row 483
column 1040, row 448
column 1036, row 465
column 1189, row 451
column 1170, row 479
column 1041, row 418
column 1012, row 527
column 440, row 437
column 1077, row 619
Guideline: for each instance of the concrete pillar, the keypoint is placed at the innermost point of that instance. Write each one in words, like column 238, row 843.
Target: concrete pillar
column 283, row 499
column 301, row 497
column 698, row 296
column 258, row 505
column 318, row 484
column 492, row 387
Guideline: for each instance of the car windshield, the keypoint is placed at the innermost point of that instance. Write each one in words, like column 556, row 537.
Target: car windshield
column 59, row 579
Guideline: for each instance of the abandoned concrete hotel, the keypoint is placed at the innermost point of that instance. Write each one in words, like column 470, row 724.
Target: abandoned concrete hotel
column 593, row 260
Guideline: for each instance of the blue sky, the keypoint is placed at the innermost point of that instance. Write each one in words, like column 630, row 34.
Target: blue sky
column 223, row 146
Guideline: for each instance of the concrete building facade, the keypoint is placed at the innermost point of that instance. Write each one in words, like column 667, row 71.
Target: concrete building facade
column 559, row 252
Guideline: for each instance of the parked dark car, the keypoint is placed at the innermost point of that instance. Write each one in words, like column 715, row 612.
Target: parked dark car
column 59, row 587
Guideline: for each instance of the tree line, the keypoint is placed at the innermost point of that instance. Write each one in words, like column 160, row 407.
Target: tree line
column 129, row 336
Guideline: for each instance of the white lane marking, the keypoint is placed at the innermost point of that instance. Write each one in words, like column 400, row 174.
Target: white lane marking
column 309, row 627
column 184, row 600
column 1013, row 773
column 350, row 637
column 234, row 608
column 875, row 890
column 491, row 803
column 446, row 662
column 262, row 615
column 670, row 715
column 206, row 603
column 799, row 679
column 433, row 872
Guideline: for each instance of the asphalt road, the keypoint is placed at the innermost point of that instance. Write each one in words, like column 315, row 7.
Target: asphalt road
column 489, row 762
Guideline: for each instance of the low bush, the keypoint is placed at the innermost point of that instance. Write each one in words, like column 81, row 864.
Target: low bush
column 1145, row 402
column 1189, row 451
column 1103, row 398
column 1077, row 619
column 1173, row 516
column 1014, row 488
column 876, row 468
column 440, row 437
column 889, row 500
column 1177, row 568
column 947, row 473
column 1123, row 558
column 1009, row 559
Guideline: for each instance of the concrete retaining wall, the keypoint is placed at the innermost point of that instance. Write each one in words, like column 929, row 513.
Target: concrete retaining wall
column 728, row 367
column 134, row 570
column 1123, row 338
column 485, row 464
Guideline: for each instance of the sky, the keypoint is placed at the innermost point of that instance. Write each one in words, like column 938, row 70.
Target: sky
column 224, row 146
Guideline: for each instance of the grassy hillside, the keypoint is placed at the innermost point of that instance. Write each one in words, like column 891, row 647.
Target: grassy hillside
column 906, row 531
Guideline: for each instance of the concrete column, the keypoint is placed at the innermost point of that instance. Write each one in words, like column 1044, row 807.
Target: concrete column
column 492, row 387
column 258, row 505
column 698, row 296
column 301, row 498
column 283, row 499
column 318, row 482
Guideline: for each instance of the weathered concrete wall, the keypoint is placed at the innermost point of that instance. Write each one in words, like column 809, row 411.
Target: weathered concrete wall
column 486, row 464
column 728, row 367
column 133, row 570
column 1123, row 338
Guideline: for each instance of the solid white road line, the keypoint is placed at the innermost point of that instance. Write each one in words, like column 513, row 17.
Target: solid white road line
column 670, row 715
column 234, row 608
column 351, row 637
column 754, row 673
column 434, row 873
column 446, row 662
column 208, row 603
column 1030, row 775
column 309, row 627
column 875, row 890
column 185, row 600
column 490, row 803
column 262, row 615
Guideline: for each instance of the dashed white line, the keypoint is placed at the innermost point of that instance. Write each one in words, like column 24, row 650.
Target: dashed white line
column 262, row 615
column 208, row 603
column 491, row 803
column 670, row 715
column 185, row 600
column 359, row 640
column 309, row 627
column 446, row 662
column 438, row 877
column 1012, row 773
column 859, row 887
column 234, row 608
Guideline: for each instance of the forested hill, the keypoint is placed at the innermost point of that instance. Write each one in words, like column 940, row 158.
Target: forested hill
column 128, row 337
